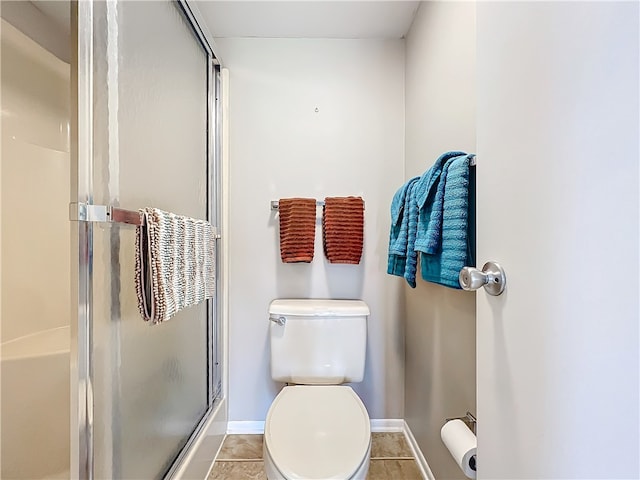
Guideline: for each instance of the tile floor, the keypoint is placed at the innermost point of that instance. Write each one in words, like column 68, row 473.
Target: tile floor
column 241, row 459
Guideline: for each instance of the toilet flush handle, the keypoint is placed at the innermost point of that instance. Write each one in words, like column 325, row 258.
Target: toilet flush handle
column 280, row 320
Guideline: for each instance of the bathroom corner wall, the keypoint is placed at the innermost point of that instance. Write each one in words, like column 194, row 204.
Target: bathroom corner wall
column 281, row 147
column 440, row 323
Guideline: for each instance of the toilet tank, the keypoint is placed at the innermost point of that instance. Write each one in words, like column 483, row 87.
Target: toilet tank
column 318, row 342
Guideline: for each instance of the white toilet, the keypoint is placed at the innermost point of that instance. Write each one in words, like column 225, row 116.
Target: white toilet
column 317, row 428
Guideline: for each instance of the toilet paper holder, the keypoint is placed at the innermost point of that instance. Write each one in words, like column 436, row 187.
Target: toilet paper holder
column 469, row 419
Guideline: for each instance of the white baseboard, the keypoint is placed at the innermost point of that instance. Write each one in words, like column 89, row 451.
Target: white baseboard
column 245, row 427
column 379, row 425
column 417, row 453
column 257, row 427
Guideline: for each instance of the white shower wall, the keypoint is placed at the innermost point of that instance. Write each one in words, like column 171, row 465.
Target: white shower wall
column 35, row 310
column 281, row 147
column 35, row 187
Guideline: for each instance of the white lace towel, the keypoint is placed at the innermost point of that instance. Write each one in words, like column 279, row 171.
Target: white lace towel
column 175, row 263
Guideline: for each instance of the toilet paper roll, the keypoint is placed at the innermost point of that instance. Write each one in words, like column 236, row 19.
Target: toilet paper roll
column 461, row 443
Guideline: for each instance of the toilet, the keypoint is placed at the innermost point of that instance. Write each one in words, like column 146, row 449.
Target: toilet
column 317, row 428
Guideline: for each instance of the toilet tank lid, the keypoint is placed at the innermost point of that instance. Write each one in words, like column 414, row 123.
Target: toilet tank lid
column 313, row 307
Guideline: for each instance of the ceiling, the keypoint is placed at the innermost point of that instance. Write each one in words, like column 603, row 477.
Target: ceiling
column 288, row 19
column 308, row 19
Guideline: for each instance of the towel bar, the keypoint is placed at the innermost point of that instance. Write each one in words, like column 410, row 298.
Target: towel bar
column 319, row 203
column 275, row 204
column 83, row 212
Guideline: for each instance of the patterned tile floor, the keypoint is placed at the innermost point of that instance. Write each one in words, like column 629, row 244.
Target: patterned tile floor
column 241, row 459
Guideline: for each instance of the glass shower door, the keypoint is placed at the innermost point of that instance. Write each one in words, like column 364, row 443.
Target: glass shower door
column 149, row 88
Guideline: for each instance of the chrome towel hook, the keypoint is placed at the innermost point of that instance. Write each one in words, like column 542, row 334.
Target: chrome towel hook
column 492, row 278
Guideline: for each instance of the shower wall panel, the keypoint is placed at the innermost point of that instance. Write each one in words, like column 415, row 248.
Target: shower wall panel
column 35, row 260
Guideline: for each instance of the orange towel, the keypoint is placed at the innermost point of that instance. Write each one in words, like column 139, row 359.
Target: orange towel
column 297, row 229
column 343, row 229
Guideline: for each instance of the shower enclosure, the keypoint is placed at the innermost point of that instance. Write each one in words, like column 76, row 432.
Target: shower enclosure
column 142, row 129
column 146, row 136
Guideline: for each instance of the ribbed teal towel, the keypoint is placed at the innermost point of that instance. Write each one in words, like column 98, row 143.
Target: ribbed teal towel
column 399, row 230
column 412, row 224
column 421, row 200
column 429, row 232
column 454, row 250
column 431, row 176
column 419, row 217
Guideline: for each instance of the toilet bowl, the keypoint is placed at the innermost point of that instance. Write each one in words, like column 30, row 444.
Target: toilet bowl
column 317, row 428
column 316, row 432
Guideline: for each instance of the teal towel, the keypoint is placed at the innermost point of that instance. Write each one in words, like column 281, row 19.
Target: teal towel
column 430, row 178
column 455, row 246
column 429, row 236
column 421, row 204
column 429, row 233
column 411, row 260
column 398, row 235
column 419, row 217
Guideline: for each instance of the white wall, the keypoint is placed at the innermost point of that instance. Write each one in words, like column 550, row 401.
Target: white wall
column 558, row 148
column 280, row 147
column 440, row 322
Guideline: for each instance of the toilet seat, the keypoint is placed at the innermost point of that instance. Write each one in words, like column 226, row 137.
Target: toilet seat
column 317, row 432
